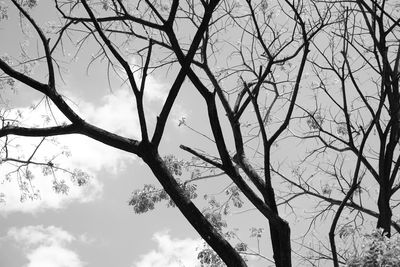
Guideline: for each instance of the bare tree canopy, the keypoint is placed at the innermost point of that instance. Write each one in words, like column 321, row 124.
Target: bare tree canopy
column 301, row 100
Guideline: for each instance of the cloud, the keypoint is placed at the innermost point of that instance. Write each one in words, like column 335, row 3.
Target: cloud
column 154, row 90
column 46, row 246
column 115, row 113
column 171, row 252
column 48, row 198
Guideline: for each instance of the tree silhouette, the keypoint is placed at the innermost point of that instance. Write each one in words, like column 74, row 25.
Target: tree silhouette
column 250, row 61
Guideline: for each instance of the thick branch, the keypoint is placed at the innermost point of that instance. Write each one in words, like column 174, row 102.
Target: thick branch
column 39, row 132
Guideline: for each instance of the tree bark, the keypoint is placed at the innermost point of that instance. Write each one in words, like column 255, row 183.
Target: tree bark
column 226, row 252
column 385, row 212
column 280, row 234
column 280, row 238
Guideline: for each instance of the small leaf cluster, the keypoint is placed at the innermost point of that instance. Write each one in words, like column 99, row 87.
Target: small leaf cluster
column 342, row 129
column 241, row 247
column 60, row 187
column 315, row 121
column 234, row 193
column 145, row 199
column 3, row 11
column 256, row 232
column 378, row 250
column 346, row 231
column 216, row 220
column 208, row 257
column 326, row 189
column 29, row 3
column 79, row 177
column 174, row 165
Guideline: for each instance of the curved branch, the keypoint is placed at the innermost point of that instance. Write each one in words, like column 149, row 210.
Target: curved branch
column 39, row 132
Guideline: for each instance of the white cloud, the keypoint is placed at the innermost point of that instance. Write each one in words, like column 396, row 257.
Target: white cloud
column 157, row 91
column 154, row 89
column 53, row 257
column 116, row 113
column 48, row 199
column 171, row 252
column 46, row 246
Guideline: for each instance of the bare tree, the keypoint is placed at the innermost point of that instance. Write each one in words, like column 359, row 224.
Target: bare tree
column 262, row 50
column 356, row 69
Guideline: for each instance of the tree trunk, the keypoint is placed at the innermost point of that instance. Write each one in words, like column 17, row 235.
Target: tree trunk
column 385, row 212
column 280, row 234
column 226, row 252
column 280, row 238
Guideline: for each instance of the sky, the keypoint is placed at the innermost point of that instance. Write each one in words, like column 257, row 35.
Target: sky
column 93, row 225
